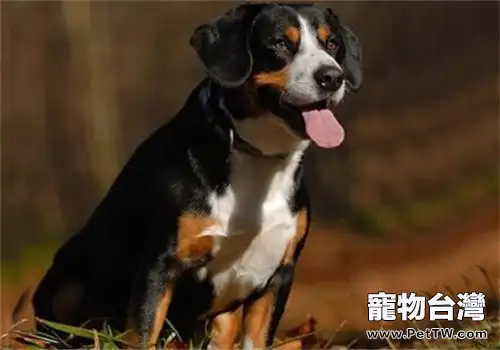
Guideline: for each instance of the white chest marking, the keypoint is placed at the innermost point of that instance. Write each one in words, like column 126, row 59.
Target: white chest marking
column 254, row 225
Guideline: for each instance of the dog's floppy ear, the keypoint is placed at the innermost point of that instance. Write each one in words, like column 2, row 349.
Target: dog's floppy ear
column 350, row 54
column 352, row 63
column 223, row 47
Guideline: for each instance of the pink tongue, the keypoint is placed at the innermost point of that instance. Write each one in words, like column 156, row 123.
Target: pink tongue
column 323, row 128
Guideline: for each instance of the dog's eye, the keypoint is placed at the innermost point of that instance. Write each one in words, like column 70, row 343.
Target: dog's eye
column 332, row 45
column 279, row 43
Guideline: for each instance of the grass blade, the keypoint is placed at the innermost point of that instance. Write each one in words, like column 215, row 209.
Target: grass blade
column 289, row 340
column 83, row 333
column 489, row 281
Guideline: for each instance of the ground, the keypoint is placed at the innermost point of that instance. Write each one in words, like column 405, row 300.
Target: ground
column 337, row 270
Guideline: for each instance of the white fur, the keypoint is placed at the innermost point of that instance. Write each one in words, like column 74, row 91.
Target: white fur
column 247, row 343
column 302, row 88
column 254, row 225
column 254, row 222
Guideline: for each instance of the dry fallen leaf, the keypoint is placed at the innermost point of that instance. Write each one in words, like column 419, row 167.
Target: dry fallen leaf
column 307, row 330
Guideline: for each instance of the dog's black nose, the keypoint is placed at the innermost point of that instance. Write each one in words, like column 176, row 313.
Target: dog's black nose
column 329, row 78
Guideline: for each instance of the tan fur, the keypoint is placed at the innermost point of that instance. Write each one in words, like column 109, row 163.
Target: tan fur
column 257, row 319
column 190, row 246
column 225, row 329
column 133, row 337
column 277, row 79
column 293, row 34
column 323, row 33
column 299, row 234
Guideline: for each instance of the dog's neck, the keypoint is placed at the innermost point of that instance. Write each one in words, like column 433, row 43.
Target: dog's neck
column 268, row 134
column 254, row 130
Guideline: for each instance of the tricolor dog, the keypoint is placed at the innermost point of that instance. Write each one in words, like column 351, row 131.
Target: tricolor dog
column 210, row 214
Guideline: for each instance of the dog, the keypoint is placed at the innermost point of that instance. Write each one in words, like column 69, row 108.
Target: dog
column 209, row 216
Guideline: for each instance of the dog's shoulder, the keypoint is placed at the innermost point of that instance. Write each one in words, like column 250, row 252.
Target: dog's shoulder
column 170, row 172
column 176, row 152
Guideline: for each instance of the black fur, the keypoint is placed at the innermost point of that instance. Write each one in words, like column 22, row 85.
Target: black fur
column 223, row 46
column 124, row 256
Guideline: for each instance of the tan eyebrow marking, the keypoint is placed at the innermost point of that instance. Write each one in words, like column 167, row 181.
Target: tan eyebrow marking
column 277, row 79
column 293, row 34
column 323, row 32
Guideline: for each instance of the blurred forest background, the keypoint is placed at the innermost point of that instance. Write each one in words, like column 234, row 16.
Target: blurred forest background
column 83, row 83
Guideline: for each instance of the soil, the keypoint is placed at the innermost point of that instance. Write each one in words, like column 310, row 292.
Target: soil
column 338, row 270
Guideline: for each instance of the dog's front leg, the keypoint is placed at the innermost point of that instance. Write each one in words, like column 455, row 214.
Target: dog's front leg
column 225, row 329
column 149, row 303
column 257, row 320
column 156, row 279
column 262, row 315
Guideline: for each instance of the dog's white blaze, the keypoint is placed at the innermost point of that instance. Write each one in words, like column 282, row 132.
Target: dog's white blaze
column 254, row 227
column 310, row 48
column 301, row 87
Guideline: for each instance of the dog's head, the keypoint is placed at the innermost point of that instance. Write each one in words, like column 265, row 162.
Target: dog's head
column 299, row 59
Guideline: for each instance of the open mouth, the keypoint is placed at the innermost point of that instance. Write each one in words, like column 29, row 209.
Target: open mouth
column 321, row 125
column 318, row 120
column 319, row 105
